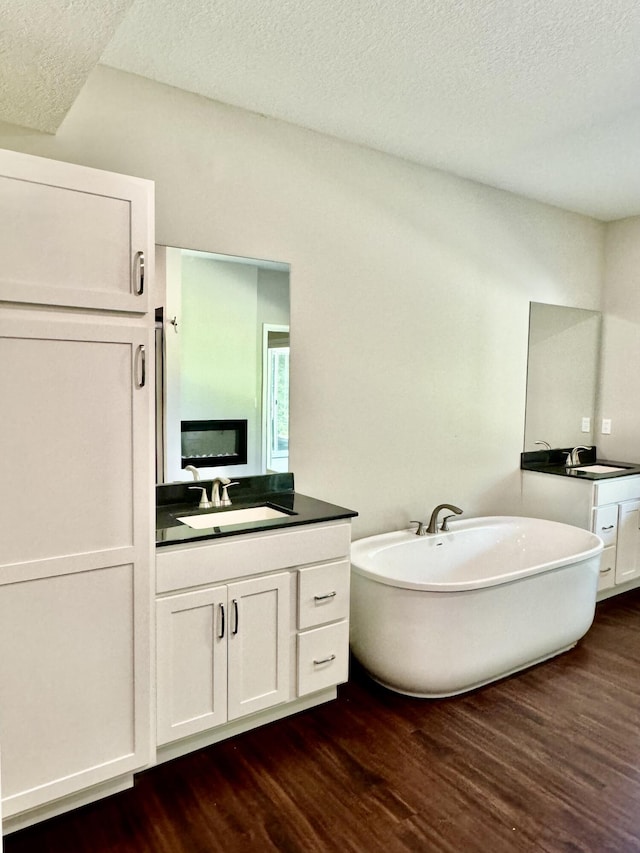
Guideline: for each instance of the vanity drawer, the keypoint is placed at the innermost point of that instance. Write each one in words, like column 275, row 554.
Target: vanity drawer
column 605, row 523
column 323, row 657
column 607, row 576
column 323, row 593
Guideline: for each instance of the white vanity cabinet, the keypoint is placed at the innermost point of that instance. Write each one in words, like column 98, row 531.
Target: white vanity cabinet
column 249, row 623
column 223, row 652
column 609, row 507
column 76, row 481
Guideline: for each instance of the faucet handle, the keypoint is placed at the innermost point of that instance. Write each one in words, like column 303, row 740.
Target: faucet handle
column 421, row 527
column 205, row 503
column 225, row 500
column 444, row 527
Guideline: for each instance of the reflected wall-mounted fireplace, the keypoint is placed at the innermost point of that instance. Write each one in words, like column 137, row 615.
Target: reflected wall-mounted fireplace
column 208, row 444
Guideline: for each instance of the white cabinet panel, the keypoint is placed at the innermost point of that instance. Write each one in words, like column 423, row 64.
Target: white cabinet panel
column 323, row 657
column 76, row 440
column 192, row 663
column 74, row 236
column 260, row 620
column 323, row 593
column 69, row 698
column 628, row 547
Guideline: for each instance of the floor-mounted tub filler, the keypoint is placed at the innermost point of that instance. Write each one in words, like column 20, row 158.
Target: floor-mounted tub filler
column 440, row 614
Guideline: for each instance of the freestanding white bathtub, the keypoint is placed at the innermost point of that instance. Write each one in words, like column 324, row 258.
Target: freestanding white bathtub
column 440, row 614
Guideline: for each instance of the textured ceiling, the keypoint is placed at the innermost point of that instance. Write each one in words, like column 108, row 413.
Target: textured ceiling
column 47, row 49
column 541, row 97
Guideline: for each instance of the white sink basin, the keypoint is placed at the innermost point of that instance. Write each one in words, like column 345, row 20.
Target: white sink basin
column 221, row 518
column 599, row 469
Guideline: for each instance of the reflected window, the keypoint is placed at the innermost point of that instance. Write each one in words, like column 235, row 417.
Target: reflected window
column 276, row 410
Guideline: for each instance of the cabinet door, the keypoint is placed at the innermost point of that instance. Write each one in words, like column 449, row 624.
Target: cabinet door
column 192, row 663
column 628, row 547
column 74, row 236
column 259, row 648
column 75, row 463
column 75, row 557
column 72, row 712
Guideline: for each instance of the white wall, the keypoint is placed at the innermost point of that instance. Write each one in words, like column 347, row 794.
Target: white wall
column 410, row 288
column 620, row 381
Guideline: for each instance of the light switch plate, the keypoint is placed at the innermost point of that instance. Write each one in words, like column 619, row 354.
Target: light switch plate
column 606, row 426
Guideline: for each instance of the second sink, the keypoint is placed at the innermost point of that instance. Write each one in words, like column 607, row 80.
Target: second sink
column 600, row 469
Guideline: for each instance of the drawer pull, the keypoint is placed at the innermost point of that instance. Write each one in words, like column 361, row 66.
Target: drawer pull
column 609, row 527
column 605, row 571
column 221, row 634
column 325, row 596
column 324, row 660
column 236, row 618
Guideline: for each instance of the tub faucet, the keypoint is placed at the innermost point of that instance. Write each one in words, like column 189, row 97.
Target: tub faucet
column 573, row 458
column 433, row 521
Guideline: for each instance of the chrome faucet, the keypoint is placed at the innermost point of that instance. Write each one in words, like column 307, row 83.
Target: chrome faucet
column 573, row 458
column 194, row 471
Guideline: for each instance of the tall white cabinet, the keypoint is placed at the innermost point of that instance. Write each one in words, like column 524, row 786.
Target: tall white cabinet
column 76, row 389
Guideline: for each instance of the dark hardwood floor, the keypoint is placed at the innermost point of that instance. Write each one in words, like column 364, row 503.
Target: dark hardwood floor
column 548, row 760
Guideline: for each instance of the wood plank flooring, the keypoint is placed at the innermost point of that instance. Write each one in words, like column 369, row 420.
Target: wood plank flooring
column 548, row 760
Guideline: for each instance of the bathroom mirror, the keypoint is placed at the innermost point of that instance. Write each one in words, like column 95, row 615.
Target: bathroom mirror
column 222, row 358
column 562, row 376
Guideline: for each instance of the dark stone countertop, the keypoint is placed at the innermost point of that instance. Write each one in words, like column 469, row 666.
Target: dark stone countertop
column 276, row 490
column 553, row 462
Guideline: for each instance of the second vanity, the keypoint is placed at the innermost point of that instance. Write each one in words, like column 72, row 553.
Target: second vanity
column 603, row 497
column 251, row 618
